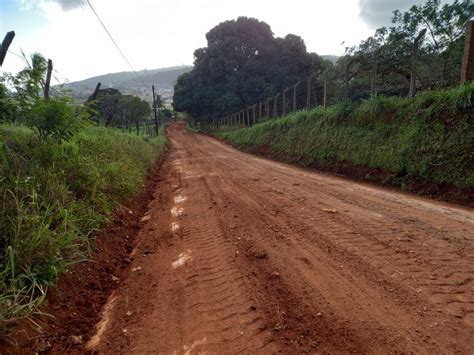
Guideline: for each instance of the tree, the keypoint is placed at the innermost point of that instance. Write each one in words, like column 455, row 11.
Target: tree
column 105, row 107
column 439, row 54
column 133, row 110
column 242, row 64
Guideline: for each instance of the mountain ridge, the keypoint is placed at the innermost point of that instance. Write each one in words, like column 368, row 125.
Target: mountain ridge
column 127, row 82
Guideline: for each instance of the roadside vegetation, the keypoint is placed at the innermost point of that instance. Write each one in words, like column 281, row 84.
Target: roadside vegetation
column 62, row 174
column 429, row 137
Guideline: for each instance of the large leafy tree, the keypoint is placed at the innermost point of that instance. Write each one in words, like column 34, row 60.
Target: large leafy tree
column 111, row 108
column 242, row 64
column 439, row 55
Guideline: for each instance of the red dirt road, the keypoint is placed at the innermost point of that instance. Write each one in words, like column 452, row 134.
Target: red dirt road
column 243, row 254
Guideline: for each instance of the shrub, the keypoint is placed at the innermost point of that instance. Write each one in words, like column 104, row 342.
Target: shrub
column 57, row 118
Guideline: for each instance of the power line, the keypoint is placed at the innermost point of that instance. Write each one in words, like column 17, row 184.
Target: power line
column 115, row 43
column 17, row 55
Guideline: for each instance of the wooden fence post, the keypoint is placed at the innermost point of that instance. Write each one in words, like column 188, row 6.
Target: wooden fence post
column 275, row 107
column 260, row 111
column 348, row 71
column 284, row 101
column 308, row 93
column 373, row 79
column 254, row 120
column 5, row 45
column 47, row 83
column 294, row 95
column 157, row 124
column 414, row 55
column 467, row 72
column 96, row 92
column 325, row 98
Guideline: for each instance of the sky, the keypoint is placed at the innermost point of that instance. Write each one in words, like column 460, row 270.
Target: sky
column 162, row 33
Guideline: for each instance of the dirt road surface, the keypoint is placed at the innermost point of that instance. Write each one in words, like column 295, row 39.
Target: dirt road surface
column 244, row 255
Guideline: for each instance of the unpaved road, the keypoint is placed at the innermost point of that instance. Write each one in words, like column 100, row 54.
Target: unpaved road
column 242, row 254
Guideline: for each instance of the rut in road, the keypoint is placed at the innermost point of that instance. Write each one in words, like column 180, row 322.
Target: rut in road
column 242, row 254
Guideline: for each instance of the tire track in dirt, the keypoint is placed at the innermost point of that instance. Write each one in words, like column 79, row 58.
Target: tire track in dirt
column 241, row 254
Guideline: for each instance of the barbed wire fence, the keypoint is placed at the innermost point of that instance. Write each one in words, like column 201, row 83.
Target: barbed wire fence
column 326, row 89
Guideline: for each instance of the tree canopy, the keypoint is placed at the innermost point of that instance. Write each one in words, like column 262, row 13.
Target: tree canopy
column 114, row 109
column 242, row 64
column 439, row 55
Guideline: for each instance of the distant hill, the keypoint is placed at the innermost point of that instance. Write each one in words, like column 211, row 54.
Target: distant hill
column 128, row 83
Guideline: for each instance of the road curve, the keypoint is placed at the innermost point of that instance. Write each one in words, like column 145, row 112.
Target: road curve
column 242, row 254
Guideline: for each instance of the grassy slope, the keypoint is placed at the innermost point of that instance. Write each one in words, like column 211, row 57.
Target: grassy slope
column 430, row 137
column 54, row 196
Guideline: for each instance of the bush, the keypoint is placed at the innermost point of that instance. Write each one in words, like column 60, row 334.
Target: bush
column 57, row 118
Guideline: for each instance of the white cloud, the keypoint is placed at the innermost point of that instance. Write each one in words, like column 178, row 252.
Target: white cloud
column 163, row 33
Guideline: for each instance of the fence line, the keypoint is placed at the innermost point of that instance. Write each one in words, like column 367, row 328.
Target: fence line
column 313, row 91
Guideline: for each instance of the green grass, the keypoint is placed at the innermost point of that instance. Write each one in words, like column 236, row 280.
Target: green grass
column 429, row 137
column 54, row 197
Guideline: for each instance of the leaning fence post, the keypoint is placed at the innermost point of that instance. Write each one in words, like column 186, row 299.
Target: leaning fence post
column 467, row 72
column 95, row 94
column 5, row 45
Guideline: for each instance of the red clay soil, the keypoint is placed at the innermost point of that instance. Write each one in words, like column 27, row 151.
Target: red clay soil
column 241, row 254
column 441, row 191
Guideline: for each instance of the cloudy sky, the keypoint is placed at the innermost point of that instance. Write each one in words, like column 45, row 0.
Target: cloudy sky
column 161, row 33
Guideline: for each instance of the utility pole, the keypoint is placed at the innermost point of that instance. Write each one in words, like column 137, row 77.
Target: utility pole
column 48, row 79
column 154, row 109
column 5, row 45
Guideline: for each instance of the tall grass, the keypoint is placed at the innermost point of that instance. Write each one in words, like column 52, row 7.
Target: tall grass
column 429, row 137
column 54, row 196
